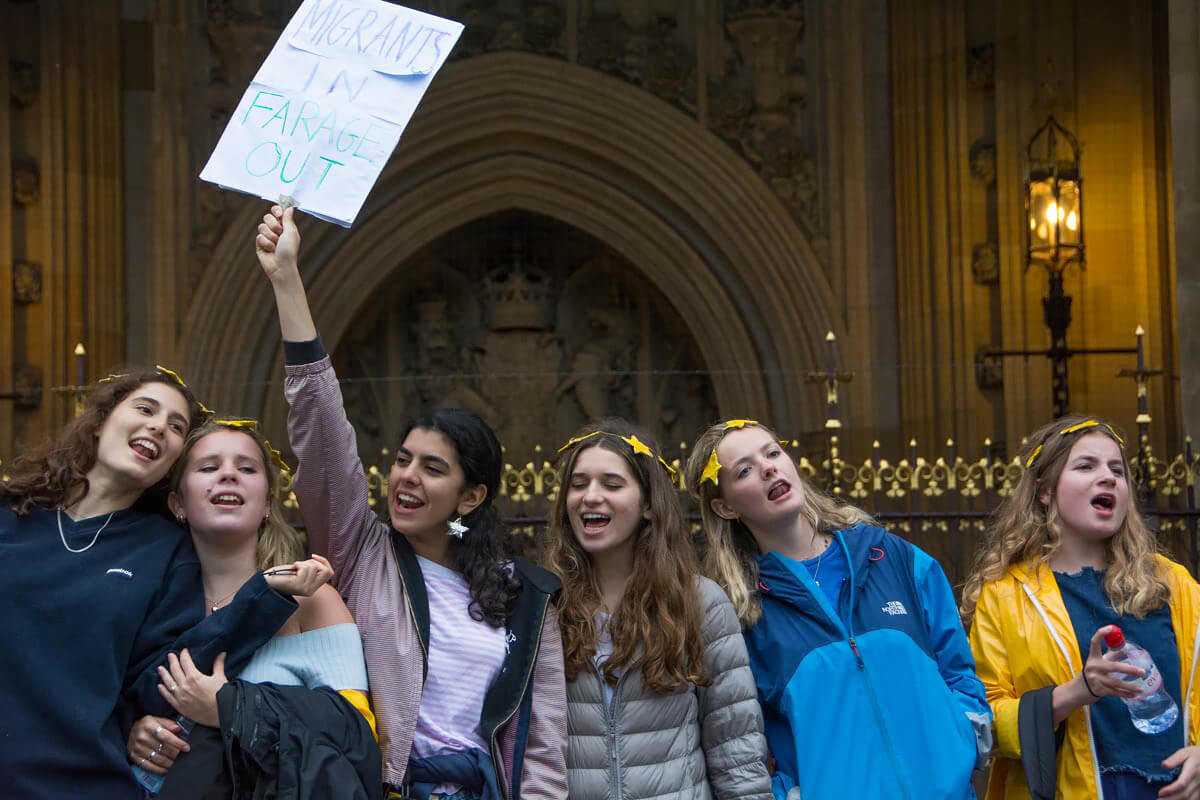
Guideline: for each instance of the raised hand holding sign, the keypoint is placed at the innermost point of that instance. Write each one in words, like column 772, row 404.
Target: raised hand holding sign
column 328, row 105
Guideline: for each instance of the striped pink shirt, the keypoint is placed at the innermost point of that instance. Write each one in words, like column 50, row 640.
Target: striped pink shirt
column 465, row 657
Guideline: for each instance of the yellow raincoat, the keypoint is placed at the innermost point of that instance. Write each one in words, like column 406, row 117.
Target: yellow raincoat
column 1022, row 640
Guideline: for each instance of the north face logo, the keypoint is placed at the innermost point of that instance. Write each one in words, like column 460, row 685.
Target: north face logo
column 894, row 607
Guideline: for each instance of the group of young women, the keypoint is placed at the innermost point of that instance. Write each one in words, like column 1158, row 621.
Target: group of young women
column 799, row 650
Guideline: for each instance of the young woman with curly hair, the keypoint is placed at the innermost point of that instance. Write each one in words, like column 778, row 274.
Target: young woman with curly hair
column 662, row 702
column 861, row 663
column 102, row 586
column 1068, row 556
column 463, row 651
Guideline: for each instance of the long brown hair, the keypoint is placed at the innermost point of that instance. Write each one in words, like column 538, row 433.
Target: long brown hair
column 278, row 542
column 657, row 627
column 1026, row 531
column 54, row 473
column 730, row 549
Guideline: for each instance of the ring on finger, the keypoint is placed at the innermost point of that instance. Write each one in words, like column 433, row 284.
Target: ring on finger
column 143, row 761
column 157, row 731
column 157, row 750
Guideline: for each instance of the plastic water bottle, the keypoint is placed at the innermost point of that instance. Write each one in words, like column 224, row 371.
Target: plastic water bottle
column 1152, row 711
column 151, row 782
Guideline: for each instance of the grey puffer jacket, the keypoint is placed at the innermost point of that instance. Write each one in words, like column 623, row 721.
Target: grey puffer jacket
column 696, row 743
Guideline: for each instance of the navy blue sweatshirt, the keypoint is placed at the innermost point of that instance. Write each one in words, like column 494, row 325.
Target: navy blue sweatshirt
column 83, row 633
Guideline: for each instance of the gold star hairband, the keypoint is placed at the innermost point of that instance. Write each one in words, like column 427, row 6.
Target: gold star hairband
column 639, row 447
column 252, row 425
column 1079, row 426
column 712, row 469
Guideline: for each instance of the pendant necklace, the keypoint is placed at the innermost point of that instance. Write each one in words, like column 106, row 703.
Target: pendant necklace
column 214, row 605
column 820, row 558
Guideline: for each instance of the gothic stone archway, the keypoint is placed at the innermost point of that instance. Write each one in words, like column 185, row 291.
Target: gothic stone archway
column 514, row 131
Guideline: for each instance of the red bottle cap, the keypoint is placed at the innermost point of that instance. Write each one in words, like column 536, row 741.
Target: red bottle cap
column 1114, row 638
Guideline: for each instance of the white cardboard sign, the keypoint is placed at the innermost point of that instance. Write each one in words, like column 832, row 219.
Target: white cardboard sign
column 328, row 105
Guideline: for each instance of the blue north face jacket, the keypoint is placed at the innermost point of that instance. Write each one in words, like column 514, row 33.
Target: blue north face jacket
column 877, row 698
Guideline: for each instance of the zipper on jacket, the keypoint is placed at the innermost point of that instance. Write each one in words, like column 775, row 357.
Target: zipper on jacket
column 857, row 656
column 495, row 748
column 866, row 675
column 610, row 720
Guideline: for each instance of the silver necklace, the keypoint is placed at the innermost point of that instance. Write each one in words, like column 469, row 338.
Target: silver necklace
column 63, row 536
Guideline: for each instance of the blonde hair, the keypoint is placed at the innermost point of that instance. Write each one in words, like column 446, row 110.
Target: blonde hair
column 730, row 548
column 278, row 542
column 657, row 628
column 1025, row 530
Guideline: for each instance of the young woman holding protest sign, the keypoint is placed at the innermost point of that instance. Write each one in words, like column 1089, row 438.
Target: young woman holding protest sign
column 835, row 607
column 462, row 646
column 662, row 700
column 104, row 589
column 226, row 490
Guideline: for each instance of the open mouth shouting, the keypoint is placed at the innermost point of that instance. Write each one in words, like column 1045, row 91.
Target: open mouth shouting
column 594, row 522
column 1104, row 503
column 145, row 448
column 406, row 502
column 779, row 490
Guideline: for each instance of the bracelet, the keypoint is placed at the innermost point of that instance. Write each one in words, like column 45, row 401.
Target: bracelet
column 1083, row 675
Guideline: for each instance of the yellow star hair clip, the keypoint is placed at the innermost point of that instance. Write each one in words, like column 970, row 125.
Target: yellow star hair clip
column 712, row 470
column 669, row 468
column 276, row 457
column 112, row 376
column 734, row 424
column 170, row 373
column 639, row 449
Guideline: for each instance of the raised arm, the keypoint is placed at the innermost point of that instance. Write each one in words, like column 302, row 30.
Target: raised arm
column 278, row 249
column 330, row 483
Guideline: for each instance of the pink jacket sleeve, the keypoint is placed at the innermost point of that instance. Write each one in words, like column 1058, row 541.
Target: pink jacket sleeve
column 544, row 776
column 330, row 484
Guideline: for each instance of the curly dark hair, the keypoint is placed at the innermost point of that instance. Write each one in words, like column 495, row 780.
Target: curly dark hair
column 54, row 473
column 480, row 554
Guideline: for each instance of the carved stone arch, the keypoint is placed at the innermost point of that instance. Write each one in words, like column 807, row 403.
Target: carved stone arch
column 516, row 131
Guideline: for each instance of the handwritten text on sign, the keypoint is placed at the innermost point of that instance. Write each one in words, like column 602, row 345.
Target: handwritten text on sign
column 328, row 105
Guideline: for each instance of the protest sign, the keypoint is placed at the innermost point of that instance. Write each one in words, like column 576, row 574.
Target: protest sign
column 329, row 103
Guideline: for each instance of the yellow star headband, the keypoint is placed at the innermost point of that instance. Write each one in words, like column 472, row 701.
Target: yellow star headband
column 252, row 425
column 713, row 468
column 170, row 373
column 639, row 447
column 1079, row 426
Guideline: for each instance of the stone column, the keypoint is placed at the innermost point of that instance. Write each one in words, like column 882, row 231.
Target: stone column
column 61, row 229
column 936, row 297
column 1184, row 30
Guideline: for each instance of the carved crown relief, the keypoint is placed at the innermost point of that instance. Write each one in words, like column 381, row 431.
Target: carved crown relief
column 532, row 325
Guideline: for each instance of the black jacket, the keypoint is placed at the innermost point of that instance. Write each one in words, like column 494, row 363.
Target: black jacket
column 285, row 742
